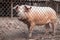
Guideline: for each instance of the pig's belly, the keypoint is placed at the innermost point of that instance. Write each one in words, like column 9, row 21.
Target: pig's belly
column 42, row 22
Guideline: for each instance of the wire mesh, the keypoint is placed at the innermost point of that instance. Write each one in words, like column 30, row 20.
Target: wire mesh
column 5, row 5
column 5, row 9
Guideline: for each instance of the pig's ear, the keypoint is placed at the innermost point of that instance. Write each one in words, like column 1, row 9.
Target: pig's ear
column 16, row 7
column 27, row 8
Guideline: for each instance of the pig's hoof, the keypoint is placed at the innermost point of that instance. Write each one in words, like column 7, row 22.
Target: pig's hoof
column 32, row 39
column 42, row 38
column 30, row 35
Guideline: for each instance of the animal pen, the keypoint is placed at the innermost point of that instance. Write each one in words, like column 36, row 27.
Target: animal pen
column 7, row 5
column 17, row 30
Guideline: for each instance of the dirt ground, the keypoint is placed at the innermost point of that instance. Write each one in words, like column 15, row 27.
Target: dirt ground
column 13, row 29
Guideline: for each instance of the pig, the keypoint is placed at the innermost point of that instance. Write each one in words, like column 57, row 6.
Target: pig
column 35, row 15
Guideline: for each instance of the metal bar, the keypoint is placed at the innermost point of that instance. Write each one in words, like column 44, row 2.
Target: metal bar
column 46, row 3
column 57, row 7
column 11, row 9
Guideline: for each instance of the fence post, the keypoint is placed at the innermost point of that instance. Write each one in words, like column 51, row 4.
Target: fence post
column 11, row 9
column 57, row 7
column 46, row 3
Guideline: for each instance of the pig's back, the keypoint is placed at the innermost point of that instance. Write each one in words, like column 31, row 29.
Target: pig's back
column 42, row 14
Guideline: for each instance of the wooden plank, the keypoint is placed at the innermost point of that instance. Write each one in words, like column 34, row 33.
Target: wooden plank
column 57, row 0
column 37, row 0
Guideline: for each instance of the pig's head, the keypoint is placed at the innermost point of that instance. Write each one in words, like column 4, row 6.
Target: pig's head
column 22, row 10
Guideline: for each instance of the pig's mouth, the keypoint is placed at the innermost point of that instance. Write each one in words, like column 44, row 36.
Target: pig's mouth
column 24, row 21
